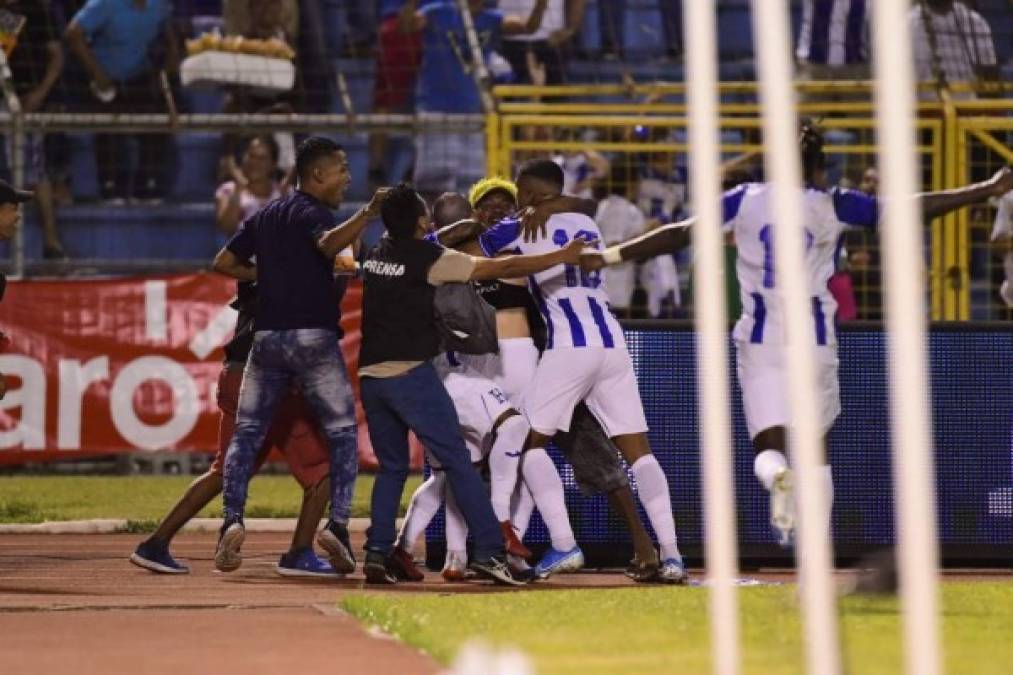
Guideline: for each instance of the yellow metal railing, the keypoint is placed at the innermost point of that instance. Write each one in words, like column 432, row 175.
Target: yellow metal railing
column 954, row 136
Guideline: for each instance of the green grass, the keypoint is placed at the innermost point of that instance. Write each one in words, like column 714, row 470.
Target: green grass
column 665, row 630
column 143, row 500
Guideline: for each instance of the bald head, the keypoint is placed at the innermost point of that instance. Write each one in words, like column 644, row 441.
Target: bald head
column 449, row 208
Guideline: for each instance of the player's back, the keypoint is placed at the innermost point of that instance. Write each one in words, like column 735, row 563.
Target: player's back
column 748, row 212
column 572, row 302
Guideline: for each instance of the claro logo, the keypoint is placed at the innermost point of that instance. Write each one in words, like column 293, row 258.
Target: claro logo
column 75, row 376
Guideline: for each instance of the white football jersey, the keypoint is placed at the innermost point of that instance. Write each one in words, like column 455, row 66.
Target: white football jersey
column 826, row 214
column 573, row 303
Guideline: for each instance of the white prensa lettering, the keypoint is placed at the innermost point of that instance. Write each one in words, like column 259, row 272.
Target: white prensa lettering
column 385, row 269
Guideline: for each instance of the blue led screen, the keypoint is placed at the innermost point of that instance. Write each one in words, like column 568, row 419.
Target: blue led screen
column 972, row 408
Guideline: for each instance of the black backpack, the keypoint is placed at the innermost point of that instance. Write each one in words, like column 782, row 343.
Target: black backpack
column 466, row 322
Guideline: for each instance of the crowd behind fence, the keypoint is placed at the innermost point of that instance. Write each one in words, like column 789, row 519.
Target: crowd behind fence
column 145, row 158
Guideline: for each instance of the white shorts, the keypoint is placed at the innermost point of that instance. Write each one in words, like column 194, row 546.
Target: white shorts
column 479, row 403
column 763, row 378
column 512, row 369
column 603, row 378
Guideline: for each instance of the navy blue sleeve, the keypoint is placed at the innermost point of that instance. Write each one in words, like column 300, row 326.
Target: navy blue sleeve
column 855, row 208
column 731, row 201
column 499, row 237
column 243, row 243
column 319, row 220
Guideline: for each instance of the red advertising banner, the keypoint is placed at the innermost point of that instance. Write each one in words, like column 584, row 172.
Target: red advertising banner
column 122, row 365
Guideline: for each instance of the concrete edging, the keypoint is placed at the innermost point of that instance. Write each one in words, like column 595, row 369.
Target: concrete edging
column 119, row 525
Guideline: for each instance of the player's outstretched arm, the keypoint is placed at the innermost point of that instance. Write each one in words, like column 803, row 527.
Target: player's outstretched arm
column 459, row 233
column 513, row 266
column 665, row 239
column 935, row 204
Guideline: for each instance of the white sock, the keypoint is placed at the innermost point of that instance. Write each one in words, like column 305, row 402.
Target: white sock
column 767, row 465
column 521, row 507
column 546, row 487
column 457, row 528
column 652, row 489
column 504, row 463
column 421, row 510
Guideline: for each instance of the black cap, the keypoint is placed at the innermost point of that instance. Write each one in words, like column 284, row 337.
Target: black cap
column 10, row 195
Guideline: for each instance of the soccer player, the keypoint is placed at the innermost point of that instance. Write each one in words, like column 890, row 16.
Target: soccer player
column 401, row 390
column 292, row 431
column 522, row 336
column 759, row 333
column 585, row 357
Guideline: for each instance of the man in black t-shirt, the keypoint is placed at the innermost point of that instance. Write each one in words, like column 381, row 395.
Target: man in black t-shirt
column 401, row 389
column 30, row 39
column 296, row 337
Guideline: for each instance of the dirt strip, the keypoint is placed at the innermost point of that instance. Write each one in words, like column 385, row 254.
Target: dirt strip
column 74, row 604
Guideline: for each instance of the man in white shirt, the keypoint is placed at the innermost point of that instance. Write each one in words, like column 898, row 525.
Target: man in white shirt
column 549, row 44
column 619, row 219
column 1002, row 238
column 952, row 44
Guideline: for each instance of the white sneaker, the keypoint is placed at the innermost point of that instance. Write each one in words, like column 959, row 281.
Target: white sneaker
column 782, row 507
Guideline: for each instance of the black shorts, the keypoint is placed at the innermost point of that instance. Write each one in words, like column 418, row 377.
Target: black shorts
column 597, row 467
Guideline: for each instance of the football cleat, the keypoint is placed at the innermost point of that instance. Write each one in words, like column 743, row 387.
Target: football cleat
column 559, row 562
column 782, row 507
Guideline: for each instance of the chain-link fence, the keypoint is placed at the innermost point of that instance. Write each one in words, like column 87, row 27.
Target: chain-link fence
column 144, row 158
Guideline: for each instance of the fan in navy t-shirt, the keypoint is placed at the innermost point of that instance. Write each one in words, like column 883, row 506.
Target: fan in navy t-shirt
column 296, row 338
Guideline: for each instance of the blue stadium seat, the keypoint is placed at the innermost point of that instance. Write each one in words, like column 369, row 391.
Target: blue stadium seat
column 735, row 33
column 197, row 166
column 359, row 74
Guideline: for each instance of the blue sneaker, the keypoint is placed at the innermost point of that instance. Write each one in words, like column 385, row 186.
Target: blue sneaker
column 154, row 555
column 557, row 562
column 303, row 563
column 672, row 571
column 227, row 556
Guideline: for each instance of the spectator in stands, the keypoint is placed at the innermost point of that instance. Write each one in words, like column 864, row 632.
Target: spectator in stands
column 1002, row 240
column 398, row 55
column 32, row 45
column 619, row 220
column 549, row 45
column 612, row 24
column 262, row 20
column 254, row 183
column 114, row 44
column 582, row 169
column 833, row 41
column 450, row 162
column 257, row 18
column 952, row 45
column 863, row 259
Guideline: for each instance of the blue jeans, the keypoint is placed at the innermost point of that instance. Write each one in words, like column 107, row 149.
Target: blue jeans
column 417, row 401
column 312, row 358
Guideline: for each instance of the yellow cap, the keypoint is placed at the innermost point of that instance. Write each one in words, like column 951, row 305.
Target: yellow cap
column 487, row 185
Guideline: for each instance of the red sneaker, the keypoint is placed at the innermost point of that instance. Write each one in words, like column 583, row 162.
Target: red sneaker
column 514, row 546
column 403, row 566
